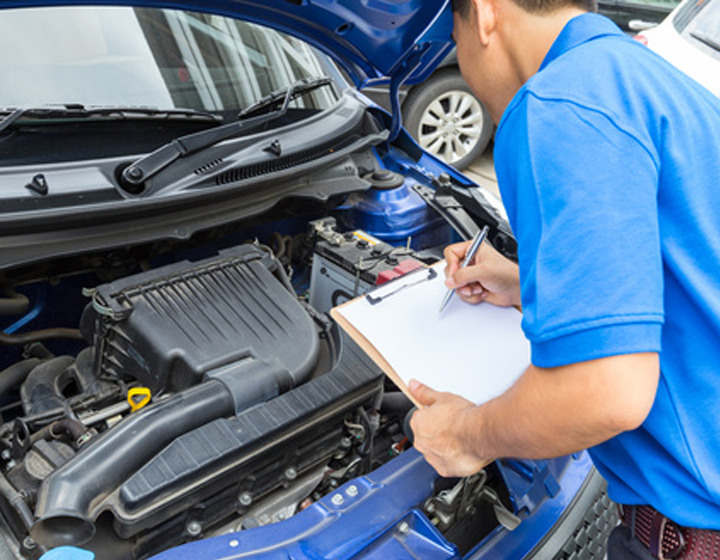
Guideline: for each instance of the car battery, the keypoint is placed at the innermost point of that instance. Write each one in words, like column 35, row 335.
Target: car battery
column 347, row 265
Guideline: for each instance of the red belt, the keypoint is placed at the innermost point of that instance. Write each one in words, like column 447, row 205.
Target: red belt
column 666, row 539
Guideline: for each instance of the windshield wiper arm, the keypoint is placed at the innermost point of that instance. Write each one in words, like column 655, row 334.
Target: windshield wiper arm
column 706, row 39
column 151, row 164
column 301, row 87
column 78, row 111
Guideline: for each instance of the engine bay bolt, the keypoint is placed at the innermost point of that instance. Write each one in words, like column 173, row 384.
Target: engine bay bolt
column 245, row 499
column 290, row 473
column 29, row 543
column 403, row 528
column 250, row 523
column 194, row 529
column 6, row 455
column 338, row 499
column 352, row 491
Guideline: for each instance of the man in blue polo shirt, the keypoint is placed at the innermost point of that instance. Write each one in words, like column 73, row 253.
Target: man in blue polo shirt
column 607, row 159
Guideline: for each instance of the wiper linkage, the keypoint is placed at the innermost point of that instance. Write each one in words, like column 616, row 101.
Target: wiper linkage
column 148, row 166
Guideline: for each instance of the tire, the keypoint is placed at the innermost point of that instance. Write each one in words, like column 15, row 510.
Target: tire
column 447, row 120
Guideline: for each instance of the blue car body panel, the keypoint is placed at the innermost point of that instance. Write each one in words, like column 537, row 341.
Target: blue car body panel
column 375, row 517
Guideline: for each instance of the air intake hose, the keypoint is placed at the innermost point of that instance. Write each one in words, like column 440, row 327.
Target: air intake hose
column 66, row 496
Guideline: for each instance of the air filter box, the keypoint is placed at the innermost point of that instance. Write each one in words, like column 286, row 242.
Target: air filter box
column 172, row 326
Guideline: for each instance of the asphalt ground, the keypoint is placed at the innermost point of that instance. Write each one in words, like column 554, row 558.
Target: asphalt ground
column 482, row 172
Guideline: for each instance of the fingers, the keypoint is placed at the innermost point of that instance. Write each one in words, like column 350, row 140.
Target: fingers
column 467, row 286
column 422, row 393
column 455, row 274
column 470, row 277
column 473, row 293
column 440, row 433
column 492, row 277
column 454, row 255
column 472, row 290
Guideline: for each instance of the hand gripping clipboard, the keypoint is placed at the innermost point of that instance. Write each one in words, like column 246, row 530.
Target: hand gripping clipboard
column 375, row 298
column 476, row 351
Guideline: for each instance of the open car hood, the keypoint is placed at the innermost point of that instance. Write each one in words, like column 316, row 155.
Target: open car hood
column 370, row 39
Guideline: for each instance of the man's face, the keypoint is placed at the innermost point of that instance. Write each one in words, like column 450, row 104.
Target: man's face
column 468, row 48
column 481, row 57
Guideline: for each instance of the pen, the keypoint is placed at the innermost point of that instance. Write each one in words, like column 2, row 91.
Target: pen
column 469, row 256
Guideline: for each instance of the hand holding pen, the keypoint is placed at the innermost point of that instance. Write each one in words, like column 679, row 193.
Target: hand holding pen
column 490, row 277
column 469, row 256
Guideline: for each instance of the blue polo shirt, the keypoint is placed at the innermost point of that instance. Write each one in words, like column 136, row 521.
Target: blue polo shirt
column 608, row 161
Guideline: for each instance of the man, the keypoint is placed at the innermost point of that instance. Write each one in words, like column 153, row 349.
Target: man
column 607, row 160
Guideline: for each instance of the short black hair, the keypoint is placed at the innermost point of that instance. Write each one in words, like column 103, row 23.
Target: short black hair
column 462, row 7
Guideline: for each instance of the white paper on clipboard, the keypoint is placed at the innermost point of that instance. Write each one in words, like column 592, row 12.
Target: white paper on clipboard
column 476, row 351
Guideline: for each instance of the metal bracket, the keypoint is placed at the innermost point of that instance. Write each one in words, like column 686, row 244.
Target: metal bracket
column 409, row 65
column 460, row 501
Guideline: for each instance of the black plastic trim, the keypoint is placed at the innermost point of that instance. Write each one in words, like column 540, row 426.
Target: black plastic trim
column 582, row 531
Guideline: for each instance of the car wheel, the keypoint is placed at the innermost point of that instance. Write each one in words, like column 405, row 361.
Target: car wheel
column 447, row 120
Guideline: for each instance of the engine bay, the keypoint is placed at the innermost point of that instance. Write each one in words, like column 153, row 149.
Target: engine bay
column 203, row 395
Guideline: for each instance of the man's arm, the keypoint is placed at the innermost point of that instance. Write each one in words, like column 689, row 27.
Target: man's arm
column 547, row 413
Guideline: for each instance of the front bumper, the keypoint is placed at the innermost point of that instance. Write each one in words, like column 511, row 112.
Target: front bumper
column 376, row 517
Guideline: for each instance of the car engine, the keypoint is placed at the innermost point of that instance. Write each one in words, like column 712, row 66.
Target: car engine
column 161, row 393
column 254, row 398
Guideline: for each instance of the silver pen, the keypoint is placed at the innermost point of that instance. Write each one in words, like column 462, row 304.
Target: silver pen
column 469, row 256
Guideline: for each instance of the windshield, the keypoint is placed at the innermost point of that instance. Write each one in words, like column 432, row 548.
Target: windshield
column 706, row 28
column 118, row 56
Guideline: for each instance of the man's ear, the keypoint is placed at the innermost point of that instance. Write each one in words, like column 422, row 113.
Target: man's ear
column 486, row 18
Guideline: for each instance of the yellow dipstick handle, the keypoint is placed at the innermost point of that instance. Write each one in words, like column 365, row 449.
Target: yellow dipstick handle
column 138, row 397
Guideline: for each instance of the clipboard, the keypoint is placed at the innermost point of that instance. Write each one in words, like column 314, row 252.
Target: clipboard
column 476, row 351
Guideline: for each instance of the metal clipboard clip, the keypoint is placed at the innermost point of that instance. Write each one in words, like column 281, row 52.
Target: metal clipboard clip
column 403, row 282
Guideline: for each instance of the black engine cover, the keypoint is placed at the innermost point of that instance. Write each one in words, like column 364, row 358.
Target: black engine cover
column 257, row 384
column 172, row 326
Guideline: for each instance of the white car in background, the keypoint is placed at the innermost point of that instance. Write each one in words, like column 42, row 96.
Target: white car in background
column 690, row 39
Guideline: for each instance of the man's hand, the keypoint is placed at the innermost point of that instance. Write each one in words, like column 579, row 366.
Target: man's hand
column 548, row 412
column 439, row 430
column 491, row 277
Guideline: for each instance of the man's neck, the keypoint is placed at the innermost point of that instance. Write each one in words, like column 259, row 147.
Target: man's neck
column 528, row 38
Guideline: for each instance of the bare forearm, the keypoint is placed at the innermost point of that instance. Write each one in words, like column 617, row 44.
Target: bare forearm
column 547, row 413
column 553, row 412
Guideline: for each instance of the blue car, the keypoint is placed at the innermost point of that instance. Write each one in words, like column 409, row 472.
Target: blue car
column 186, row 189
